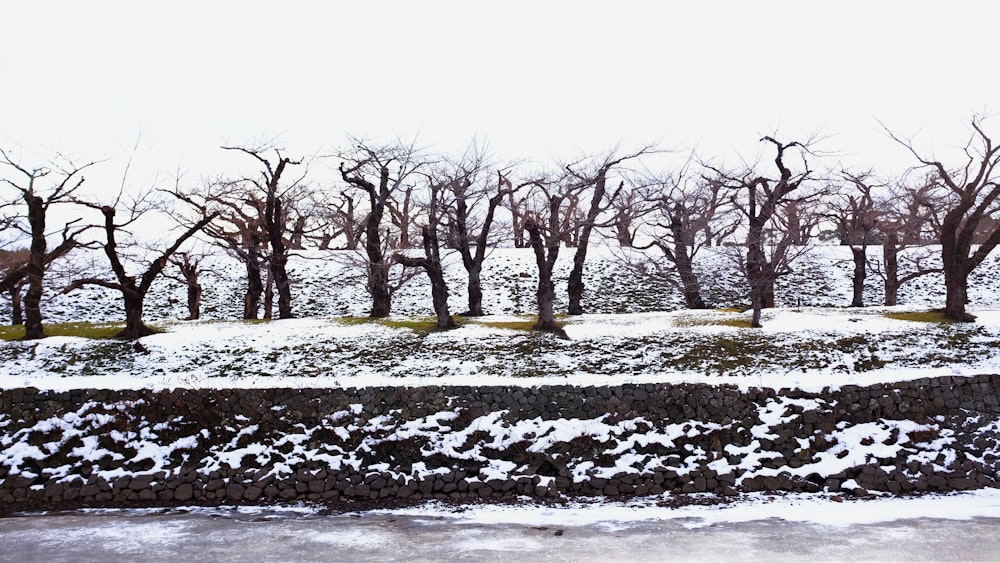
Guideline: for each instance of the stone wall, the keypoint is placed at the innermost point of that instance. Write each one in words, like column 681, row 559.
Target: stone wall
column 92, row 447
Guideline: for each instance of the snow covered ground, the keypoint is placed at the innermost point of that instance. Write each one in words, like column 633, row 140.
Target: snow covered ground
column 957, row 527
column 635, row 334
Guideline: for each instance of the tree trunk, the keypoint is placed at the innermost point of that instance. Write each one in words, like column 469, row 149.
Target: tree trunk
column 475, row 292
column 691, row 289
column 545, row 295
column 767, row 295
column 189, row 269
column 279, row 261
column 35, row 271
column 955, row 247
column 16, row 313
column 194, row 301
column 575, row 286
column 282, row 285
column 32, row 306
column 134, row 327
column 890, row 262
column 690, row 285
column 956, row 283
column 756, row 303
column 378, row 287
column 269, row 296
column 255, row 287
column 860, row 271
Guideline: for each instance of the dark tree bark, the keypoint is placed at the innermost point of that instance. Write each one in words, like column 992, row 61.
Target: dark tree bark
column 575, row 287
column 38, row 203
column 431, row 264
column 16, row 312
column 255, row 285
column 690, row 285
column 378, row 267
column 463, row 241
column 975, row 187
column 545, row 295
column 860, row 257
column 190, row 268
column 763, row 198
column 133, row 290
column 375, row 162
column 278, row 263
column 859, row 219
column 35, row 268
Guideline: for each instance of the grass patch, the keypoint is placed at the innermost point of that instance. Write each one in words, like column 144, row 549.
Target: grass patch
column 729, row 310
column 525, row 324
column 709, row 319
column 82, row 330
column 416, row 324
column 920, row 316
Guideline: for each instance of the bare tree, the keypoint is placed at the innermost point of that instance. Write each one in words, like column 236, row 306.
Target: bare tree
column 761, row 199
column 471, row 213
column 593, row 180
column 273, row 220
column 10, row 261
column 627, row 209
column 909, row 219
column 853, row 210
column 431, row 260
column 132, row 288
column 340, row 217
column 369, row 169
column 238, row 230
column 545, row 234
column 974, row 186
column 38, row 200
column 688, row 215
column 189, row 264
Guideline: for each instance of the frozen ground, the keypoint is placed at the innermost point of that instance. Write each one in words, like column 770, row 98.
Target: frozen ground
column 634, row 334
column 960, row 527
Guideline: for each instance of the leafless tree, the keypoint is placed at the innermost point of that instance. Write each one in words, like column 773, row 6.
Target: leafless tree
column 762, row 199
column 430, row 262
column 591, row 179
column 974, row 186
column 688, row 215
column 10, row 261
column 190, row 266
column 632, row 204
column 545, row 234
column 340, row 218
column 909, row 219
column 132, row 288
column 38, row 199
column 853, row 210
column 274, row 218
column 379, row 172
column 238, row 230
column 471, row 212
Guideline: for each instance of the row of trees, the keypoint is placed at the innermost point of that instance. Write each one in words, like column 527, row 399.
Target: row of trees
column 399, row 209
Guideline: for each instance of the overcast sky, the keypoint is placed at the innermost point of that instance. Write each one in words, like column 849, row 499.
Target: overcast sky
column 535, row 79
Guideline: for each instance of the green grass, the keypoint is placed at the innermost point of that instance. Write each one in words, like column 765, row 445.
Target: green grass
column 719, row 317
column 82, row 330
column 426, row 324
column 920, row 316
column 416, row 324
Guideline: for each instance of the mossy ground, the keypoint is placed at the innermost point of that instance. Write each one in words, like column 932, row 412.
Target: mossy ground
column 82, row 330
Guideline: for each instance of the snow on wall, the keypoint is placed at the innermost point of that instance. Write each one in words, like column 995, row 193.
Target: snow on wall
column 143, row 447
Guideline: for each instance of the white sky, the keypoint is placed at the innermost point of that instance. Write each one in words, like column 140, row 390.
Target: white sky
column 534, row 79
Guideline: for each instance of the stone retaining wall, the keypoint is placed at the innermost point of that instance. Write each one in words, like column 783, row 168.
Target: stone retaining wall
column 93, row 447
